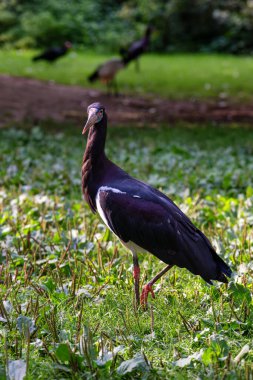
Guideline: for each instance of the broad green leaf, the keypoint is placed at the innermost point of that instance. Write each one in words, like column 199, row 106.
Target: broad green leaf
column 138, row 362
column 240, row 292
column 16, row 369
column 63, row 352
column 25, row 325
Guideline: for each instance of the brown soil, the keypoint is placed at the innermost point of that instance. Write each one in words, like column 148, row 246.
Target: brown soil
column 28, row 99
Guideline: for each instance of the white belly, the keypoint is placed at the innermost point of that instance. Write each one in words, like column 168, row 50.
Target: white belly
column 99, row 208
column 132, row 246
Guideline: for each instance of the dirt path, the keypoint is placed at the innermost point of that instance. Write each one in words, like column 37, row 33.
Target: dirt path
column 29, row 99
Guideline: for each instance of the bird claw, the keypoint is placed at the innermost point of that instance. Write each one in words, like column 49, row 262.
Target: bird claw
column 144, row 295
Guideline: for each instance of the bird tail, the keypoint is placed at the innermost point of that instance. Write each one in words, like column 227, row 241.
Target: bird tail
column 93, row 76
column 204, row 261
column 223, row 270
column 126, row 59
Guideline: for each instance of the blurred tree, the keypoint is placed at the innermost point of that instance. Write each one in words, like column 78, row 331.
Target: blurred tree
column 195, row 25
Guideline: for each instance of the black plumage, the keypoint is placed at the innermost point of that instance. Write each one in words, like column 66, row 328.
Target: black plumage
column 141, row 216
column 137, row 48
column 53, row 53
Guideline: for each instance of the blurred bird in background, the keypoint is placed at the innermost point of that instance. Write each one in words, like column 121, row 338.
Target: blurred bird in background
column 54, row 53
column 106, row 72
column 137, row 48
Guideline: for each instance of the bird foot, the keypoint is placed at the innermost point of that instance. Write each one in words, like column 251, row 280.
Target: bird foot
column 144, row 295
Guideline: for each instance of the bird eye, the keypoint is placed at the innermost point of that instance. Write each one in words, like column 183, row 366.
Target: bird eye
column 100, row 115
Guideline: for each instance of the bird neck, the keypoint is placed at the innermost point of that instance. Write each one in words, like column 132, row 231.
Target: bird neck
column 95, row 146
column 94, row 161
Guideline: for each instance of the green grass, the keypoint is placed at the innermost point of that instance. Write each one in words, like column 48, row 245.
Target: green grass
column 177, row 76
column 66, row 283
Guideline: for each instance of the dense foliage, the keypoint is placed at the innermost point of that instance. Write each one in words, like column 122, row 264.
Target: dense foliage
column 66, row 309
column 196, row 25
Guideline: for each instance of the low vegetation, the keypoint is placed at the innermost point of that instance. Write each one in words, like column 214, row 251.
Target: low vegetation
column 66, row 305
column 176, row 76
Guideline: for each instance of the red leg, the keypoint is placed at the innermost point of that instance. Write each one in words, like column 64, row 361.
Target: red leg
column 148, row 288
column 136, row 275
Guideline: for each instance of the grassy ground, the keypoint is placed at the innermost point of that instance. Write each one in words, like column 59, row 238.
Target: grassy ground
column 175, row 76
column 66, row 306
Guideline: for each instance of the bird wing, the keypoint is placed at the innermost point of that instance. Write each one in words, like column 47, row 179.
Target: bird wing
column 158, row 227
column 147, row 223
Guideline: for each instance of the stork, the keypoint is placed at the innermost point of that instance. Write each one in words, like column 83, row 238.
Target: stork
column 143, row 218
column 137, row 48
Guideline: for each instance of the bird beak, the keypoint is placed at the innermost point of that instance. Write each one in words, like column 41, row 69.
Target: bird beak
column 92, row 119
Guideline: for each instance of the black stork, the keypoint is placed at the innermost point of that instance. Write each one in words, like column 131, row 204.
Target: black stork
column 137, row 48
column 52, row 54
column 143, row 218
column 107, row 71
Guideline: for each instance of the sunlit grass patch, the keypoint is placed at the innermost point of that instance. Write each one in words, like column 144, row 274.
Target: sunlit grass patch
column 176, row 76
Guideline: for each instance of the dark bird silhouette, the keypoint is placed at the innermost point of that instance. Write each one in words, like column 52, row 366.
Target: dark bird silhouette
column 137, row 48
column 143, row 218
column 53, row 53
column 107, row 72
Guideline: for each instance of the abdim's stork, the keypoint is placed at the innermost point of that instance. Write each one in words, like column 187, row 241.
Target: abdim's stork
column 137, row 48
column 54, row 53
column 142, row 217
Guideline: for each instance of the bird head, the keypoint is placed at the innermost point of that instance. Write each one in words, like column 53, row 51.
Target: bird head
column 95, row 115
column 68, row 44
